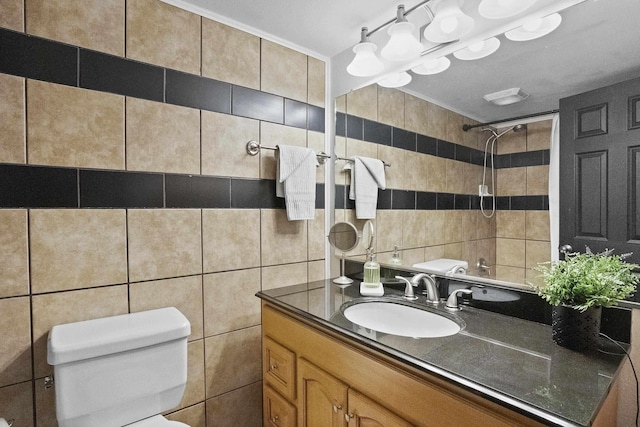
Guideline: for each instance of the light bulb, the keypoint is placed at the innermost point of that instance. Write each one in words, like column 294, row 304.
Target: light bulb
column 449, row 24
column 476, row 47
column 535, row 28
column 432, row 66
column 532, row 25
column 478, row 50
column 402, row 44
column 395, row 80
column 365, row 63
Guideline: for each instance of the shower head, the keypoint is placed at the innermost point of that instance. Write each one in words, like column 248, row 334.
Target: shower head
column 517, row 128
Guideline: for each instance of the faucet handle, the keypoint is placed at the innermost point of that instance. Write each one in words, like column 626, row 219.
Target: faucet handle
column 408, row 289
column 452, row 301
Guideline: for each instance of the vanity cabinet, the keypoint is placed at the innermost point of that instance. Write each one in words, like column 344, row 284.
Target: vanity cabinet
column 340, row 382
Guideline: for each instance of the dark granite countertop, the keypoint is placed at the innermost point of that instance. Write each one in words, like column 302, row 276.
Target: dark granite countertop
column 508, row 360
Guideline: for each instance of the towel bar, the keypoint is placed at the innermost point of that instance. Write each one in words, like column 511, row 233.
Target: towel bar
column 386, row 165
column 254, row 147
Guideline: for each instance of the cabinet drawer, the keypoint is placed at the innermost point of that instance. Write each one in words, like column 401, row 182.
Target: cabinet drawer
column 277, row 411
column 279, row 368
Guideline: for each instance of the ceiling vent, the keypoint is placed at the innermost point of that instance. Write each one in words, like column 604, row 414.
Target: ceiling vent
column 507, row 96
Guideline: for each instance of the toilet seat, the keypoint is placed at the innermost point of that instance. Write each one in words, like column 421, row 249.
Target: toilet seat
column 156, row 421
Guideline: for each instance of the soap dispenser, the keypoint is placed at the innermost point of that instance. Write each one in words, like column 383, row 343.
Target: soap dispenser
column 395, row 258
column 371, row 285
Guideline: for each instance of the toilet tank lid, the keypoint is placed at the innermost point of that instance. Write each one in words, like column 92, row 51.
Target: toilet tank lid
column 93, row 338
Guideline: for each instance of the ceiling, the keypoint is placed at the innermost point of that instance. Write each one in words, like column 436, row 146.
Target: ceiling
column 596, row 45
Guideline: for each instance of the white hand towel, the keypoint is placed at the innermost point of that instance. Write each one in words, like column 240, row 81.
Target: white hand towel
column 367, row 175
column 296, row 181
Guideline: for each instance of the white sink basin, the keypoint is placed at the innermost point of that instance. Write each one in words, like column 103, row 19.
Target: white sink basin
column 398, row 319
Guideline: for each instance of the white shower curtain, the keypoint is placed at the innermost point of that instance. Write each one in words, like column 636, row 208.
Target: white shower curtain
column 554, row 187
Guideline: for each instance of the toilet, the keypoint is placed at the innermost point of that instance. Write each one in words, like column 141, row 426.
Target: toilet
column 120, row 371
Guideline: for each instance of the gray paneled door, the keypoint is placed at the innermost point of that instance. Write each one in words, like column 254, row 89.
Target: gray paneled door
column 599, row 165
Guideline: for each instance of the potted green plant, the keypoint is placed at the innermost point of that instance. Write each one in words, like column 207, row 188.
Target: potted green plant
column 578, row 287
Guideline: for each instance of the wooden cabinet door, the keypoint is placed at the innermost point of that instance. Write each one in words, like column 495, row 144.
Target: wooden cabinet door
column 364, row 412
column 322, row 398
column 277, row 412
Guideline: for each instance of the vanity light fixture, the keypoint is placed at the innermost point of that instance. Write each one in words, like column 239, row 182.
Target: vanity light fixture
column 535, row 28
column 365, row 63
column 402, row 44
column 450, row 23
column 507, row 96
column 478, row 50
column 395, row 80
column 500, row 9
column 432, row 66
column 450, row 30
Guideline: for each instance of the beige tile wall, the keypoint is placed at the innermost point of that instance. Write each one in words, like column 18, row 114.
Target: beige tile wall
column 14, row 252
column 68, row 126
column 219, row 133
column 162, row 137
column 72, row 248
column 278, row 61
column 12, row 14
column 65, row 265
column 161, row 34
column 98, row 25
column 231, row 55
column 12, row 117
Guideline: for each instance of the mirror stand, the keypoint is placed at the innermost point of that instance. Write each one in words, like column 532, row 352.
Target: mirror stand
column 342, row 280
column 344, row 237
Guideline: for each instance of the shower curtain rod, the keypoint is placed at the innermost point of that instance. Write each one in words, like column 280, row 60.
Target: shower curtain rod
column 466, row 127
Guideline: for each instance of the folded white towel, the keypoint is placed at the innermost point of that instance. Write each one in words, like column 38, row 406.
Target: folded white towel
column 444, row 265
column 296, row 180
column 367, row 175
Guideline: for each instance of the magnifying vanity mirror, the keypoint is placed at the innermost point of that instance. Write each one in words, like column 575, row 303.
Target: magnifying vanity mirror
column 344, row 237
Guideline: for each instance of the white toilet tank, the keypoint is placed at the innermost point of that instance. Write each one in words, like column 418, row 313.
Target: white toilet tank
column 119, row 370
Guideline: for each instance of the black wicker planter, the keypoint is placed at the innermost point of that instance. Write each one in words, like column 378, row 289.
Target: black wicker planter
column 575, row 330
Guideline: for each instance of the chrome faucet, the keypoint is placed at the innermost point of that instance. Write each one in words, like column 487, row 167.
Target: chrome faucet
column 431, row 289
column 452, row 301
column 433, row 296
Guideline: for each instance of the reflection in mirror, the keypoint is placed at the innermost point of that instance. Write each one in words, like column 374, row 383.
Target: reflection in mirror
column 344, row 237
column 431, row 206
column 368, row 235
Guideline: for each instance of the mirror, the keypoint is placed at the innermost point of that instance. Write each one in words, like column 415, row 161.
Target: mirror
column 418, row 211
column 374, row 121
column 344, row 237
